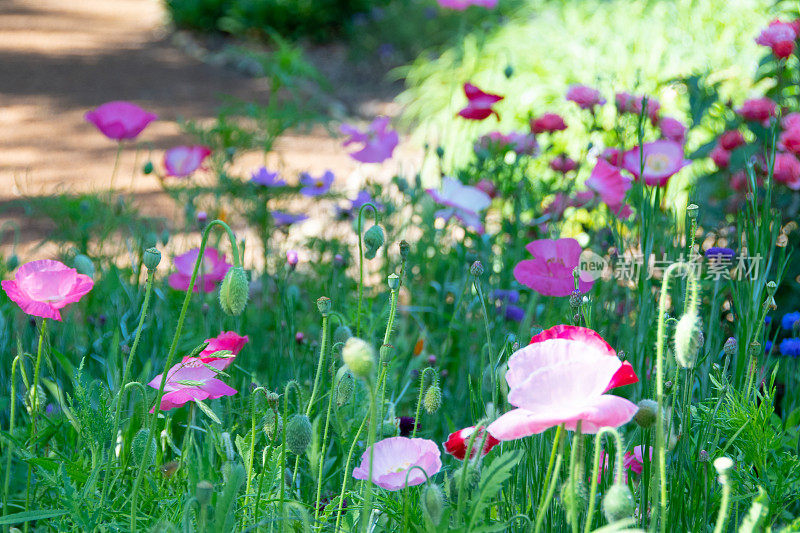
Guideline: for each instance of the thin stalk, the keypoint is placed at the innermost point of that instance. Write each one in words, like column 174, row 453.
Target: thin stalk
column 593, row 481
column 486, row 326
column 361, row 261
column 542, row 510
column 252, row 441
column 421, row 395
column 346, row 470
column 10, row 449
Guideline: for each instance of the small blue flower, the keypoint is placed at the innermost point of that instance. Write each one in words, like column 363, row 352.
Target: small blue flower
column 790, row 347
column 767, row 347
column 508, row 296
column 789, row 319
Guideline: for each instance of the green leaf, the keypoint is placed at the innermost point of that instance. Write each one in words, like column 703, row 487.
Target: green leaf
column 492, row 481
column 753, row 522
column 29, row 516
column 207, row 410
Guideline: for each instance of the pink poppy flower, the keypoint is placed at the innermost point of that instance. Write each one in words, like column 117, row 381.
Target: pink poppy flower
column 662, row 159
column 628, row 103
column 182, row 161
column 227, row 340
column 550, row 271
column 120, row 120
column 786, row 170
column 41, row 288
column 548, row 123
column 316, row 186
column 790, row 140
column 561, row 378
column 393, row 460
column 458, row 441
column 634, row 461
column 462, row 201
column 479, row 103
column 780, row 37
column 731, row 140
column 192, row 380
column 720, row 156
column 672, row 129
column 758, row 110
column 487, row 186
column 378, row 141
column 212, row 270
column 585, row 97
column 520, row 143
column 609, row 183
column 791, row 120
column 461, row 5
column 613, row 156
column 739, row 181
column 292, row 258
column 563, row 164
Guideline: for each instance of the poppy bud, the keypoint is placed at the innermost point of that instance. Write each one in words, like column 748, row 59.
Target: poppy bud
column 573, row 494
column 359, row 356
column 148, row 168
column 151, row 259
column 404, row 249
column 373, row 240
column 343, row 387
column 341, row 334
column 298, row 434
column 273, row 423
column 204, row 492
column 433, row 399
column 13, row 262
column 731, row 347
column 324, row 305
column 618, row 503
column 140, row 451
column 508, row 72
column 646, row 415
column 164, row 237
column 84, row 265
column 394, row 281
column 233, row 291
column 687, row 339
column 432, row 501
column 476, row 269
column 692, row 210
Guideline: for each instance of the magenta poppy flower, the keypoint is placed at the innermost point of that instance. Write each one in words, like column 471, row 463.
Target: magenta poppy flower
column 378, row 141
column 662, row 159
column 780, row 37
column 786, row 170
column 212, row 270
column 628, row 103
column 547, row 123
column 461, row 5
column 182, row 161
column 120, row 120
column 227, row 340
column 316, row 186
column 393, row 460
column 585, row 97
column 613, row 156
column 789, row 121
column 191, row 380
column 758, row 110
column 790, row 140
column 672, row 129
column 634, row 461
column 519, row 143
column 563, row 164
column 458, row 441
column 732, row 139
column 608, row 182
column 550, row 271
column 462, row 201
column 281, row 218
column 264, row 177
column 479, row 103
column 720, row 156
column 562, row 378
column 41, row 288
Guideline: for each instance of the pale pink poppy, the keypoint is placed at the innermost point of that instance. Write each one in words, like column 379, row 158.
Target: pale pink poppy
column 720, row 156
column 585, row 97
column 212, row 270
column 548, row 123
column 634, row 461
column 662, row 159
column 608, row 182
column 672, row 129
column 780, row 37
column 458, row 441
column 227, row 340
column 182, row 161
column 41, row 288
column 479, row 103
column 550, row 271
column 394, row 461
column 192, row 380
column 462, row 201
column 786, row 170
column 790, row 120
column 120, row 120
column 758, row 110
column 731, row 140
column 378, row 142
column 561, row 378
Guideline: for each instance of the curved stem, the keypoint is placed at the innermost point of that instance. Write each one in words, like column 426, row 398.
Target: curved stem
column 322, row 455
column 492, row 372
column 252, row 441
column 594, row 480
column 361, row 261
column 722, row 517
column 10, row 449
column 367, row 499
column 322, row 351
column 421, row 394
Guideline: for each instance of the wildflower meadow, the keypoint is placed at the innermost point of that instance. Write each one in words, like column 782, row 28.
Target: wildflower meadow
column 577, row 311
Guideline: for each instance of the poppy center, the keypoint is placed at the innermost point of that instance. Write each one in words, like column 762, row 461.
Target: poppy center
column 656, row 162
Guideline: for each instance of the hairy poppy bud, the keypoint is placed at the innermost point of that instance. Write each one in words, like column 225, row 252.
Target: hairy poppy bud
column 151, row 259
column 646, row 415
column 404, row 249
column 432, row 501
column 359, row 356
column 13, row 262
column 373, row 240
column 141, row 449
column 233, row 291
column 508, row 72
column 688, row 338
column 618, row 503
column 341, row 334
column 343, row 386
column 433, row 399
column 273, row 423
column 83, row 265
column 203, row 492
column 298, row 434
column 324, row 305
column 476, row 269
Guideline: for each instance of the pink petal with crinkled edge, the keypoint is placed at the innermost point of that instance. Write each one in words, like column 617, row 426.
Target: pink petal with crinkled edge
column 28, row 306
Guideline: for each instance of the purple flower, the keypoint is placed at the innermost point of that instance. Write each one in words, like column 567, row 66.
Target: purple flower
column 406, row 425
column 120, row 120
column 378, row 141
column 281, row 218
column 316, row 186
column 462, row 201
column 264, row 177
column 720, row 254
column 506, row 296
column 789, row 319
column 504, row 301
column 364, row 197
column 513, row 312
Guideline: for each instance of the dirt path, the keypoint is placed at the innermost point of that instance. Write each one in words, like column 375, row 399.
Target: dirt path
column 58, row 59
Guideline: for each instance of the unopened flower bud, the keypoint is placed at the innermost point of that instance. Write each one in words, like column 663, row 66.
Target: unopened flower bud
column 292, row 258
column 433, row 399
column 432, row 501
column 299, row 337
column 646, row 415
column 394, row 281
column 703, row 456
column 324, row 305
column 338, row 260
column 731, row 347
column 668, row 387
column 204, row 492
column 233, row 291
column 508, row 72
column 693, row 210
column 298, row 434
column 341, row 334
column 618, row 503
column 140, row 451
column 151, row 259
column 343, row 386
column 164, row 237
column 373, row 240
column 574, row 494
column 404, row 249
column 13, row 262
column 359, row 356
column 272, row 423
column 202, row 218
column 84, row 265
column 476, row 269
column 687, row 339
column 148, row 168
